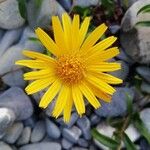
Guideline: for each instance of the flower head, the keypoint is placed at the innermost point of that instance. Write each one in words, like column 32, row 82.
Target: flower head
column 76, row 70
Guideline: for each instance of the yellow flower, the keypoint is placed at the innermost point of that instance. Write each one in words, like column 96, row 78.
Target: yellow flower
column 77, row 69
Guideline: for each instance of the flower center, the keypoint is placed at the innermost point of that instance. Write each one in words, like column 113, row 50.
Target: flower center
column 70, row 69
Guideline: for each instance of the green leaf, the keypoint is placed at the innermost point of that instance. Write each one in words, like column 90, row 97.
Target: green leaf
column 141, row 127
column 107, row 141
column 116, row 122
column 129, row 104
column 145, row 9
column 38, row 3
column 143, row 23
column 83, row 11
column 126, row 3
column 128, row 143
column 34, row 39
column 22, row 8
column 109, row 5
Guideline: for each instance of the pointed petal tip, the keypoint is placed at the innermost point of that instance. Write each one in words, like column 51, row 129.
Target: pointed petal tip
column 18, row 62
column 38, row 30
column 54, row 114
column 41, row 105
column 104, row 24
column 65, row 14
column 26, row 51
column 121, row 81
column 98, row 106
column 66, row 121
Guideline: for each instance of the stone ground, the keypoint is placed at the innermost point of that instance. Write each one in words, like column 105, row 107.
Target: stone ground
column 23, row 126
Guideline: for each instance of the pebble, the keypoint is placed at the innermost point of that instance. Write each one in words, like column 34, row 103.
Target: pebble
column 104, row 129
column 117, row 107
column 27, row 33
column 52, row 129
column 132, row 133
column 135, row 39
column 144, row 115
column 144, row 145
column 9, row 58
column 13, row 133
column 85, row 125
column 10, row 17
column 38, row 132
column 24, row 137
column 15, row 99
column 14, row 78
column 93, row 147
column 144, row 72
column 48, row 139
column 65, row 3
column 31, row 121
column 114, row 29
column 85, row 3
column 72, row 134
column 42, row 17
column 123, row 72
column 50, row 107
column 42, row 146
column 73, row 120
column 107, row 130
column 7, row 117
column 29, row 44
column 4, row 146
column 83, row 143
column 13, row 54
column 1, row 33
column 94, row 119
column 123, row 56
column 13, row 147
column 78, row 148
column 9, row 38
column 145, row 87
column 66, row 144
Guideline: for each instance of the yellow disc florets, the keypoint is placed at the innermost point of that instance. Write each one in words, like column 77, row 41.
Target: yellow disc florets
column 70, row 69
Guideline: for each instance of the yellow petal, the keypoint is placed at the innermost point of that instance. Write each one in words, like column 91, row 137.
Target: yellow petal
column 36, row 64
column 75, row 33
column 87, row 92
column 47, row 41
column 61, row 101
column 104, row 43
column 67, row 109
column 104, row 67
column 100, row 94
column 102, row 55
column 66, row 21
column 33, row 75
column 36, row 55
column 58, row 34
column 108, row 78
column 78, row 100
column 94, row 37
column 50, row 94
column 38, row 85
column 100, row 84
column 100, row 46
column 83, row 30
